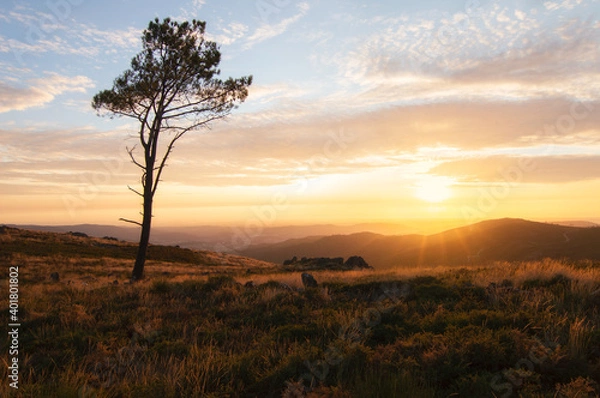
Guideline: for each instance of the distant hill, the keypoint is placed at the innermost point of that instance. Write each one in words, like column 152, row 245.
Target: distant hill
column 493, row 240
column 15, row 241
column 578, row 223
column 220, row 238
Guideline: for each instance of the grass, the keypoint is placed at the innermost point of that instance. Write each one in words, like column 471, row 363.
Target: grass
column 194, row 330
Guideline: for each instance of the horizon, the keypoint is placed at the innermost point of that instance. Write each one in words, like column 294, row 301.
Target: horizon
column 378, row 113
column 416, row 226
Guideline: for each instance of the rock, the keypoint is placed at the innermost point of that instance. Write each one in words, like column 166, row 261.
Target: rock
column 356, row 262
column 249, row 285
column 308, row 280
column 315, row 263
column 290, row 262
column 54, row 277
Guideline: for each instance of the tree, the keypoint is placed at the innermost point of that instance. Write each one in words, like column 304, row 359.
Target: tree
column 171, row 88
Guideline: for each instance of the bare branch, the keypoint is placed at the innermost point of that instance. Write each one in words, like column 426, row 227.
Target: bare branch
column 164, row 159
column 130, row 152
column 130, row 221
column 134, row 191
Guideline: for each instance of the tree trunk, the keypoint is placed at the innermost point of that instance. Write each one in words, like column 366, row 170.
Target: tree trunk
column 138, row 268
column 140, row 260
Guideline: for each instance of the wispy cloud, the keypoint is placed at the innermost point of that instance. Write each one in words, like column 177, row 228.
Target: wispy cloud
column 191, row 10
column 44, row 33
column 567, row 5
column 229, row 34
column 540, row 169
column 501, row 52
column 40, row 91
column 263, row 94
column 268, row 31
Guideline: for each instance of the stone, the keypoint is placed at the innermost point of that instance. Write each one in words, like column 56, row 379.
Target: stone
column 308, row 280
column 356, row 262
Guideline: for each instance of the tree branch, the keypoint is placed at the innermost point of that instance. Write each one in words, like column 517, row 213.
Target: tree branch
column 134, row 191
column 130, row 152
column 130, row 221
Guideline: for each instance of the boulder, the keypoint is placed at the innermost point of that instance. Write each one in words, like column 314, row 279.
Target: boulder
column 308, row 280
column 356, row 262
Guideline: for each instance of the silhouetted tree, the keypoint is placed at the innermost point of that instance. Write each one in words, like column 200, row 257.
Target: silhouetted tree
column 171, row 88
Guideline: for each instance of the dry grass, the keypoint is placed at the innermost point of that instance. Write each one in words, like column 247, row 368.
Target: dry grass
column 584, row 274
column 194, row 330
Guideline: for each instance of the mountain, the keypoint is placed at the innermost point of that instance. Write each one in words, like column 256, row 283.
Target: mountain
column 493, row 240
column 578, row 223
column 222, row 238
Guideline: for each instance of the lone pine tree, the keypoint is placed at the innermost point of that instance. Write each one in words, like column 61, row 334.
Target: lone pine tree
column 171, row 88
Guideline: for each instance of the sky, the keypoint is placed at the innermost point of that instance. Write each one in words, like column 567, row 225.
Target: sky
column 378, row 111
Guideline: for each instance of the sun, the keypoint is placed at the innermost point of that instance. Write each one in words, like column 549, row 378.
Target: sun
column 433, row 189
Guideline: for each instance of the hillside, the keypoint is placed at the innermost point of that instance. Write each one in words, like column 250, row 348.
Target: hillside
column 204, row 324
column 494, row 240
column 116, row 257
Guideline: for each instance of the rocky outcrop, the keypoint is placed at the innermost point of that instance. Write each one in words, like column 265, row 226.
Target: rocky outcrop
column 326, row 263
column 356, row 262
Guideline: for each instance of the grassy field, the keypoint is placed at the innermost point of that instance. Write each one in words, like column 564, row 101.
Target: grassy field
column 193, row 328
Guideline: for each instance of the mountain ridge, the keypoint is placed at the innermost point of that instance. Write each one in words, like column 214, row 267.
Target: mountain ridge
column 506, row 239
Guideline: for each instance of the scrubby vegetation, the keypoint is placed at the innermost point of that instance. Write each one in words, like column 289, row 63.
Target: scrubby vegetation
column 509, row 329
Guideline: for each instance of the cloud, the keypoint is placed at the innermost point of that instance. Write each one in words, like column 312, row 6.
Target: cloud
column 230, row 34
column 44, row 33
column 60, row 161
column 190, row 11
column 280, row 92
column 466, row 140
column 567, row 5
column 539, row 169
column 257, row 153
column 40, row 91
column 496, row 53
column 14, row 98
column 268, row 31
